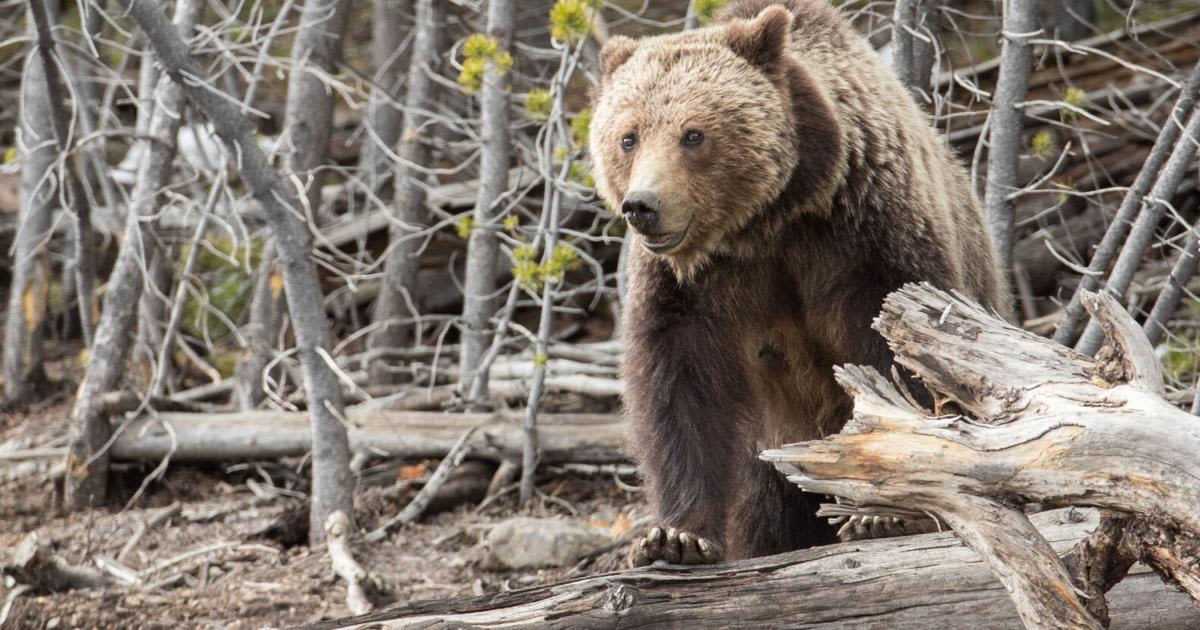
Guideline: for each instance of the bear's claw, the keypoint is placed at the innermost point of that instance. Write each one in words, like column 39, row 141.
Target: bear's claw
column 674, row 547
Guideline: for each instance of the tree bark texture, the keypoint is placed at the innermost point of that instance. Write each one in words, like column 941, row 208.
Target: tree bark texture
column 23, row 325
column 257, row 435
column 390, row 56
column 397, row 299
column 930, row 581
column 309, row 119
column 1019, row 419
column 914, row 24
column 479, row 301
column 332, row 481
column 87, row 460
column 1131, row 203
column 1007, row 123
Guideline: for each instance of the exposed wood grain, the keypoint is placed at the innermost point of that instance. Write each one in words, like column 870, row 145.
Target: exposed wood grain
column 930, row 582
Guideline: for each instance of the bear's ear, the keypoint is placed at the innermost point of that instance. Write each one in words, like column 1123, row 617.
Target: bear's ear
column 763, row 40
column 615, row 52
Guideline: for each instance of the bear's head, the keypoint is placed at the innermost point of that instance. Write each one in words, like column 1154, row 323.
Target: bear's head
column 694, row 134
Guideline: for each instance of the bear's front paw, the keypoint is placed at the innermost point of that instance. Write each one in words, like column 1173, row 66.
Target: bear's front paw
column 674, row 547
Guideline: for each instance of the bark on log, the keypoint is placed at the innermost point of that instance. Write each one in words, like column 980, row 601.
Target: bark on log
column 930, row 581
column 1019, row 419
column 589, row 438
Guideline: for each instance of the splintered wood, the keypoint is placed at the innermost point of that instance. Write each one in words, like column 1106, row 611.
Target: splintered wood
column 1022, row 420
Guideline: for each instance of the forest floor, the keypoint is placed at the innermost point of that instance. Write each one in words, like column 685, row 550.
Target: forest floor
column 232, row 554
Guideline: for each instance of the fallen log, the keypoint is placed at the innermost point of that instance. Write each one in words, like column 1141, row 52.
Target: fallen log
column 930, row 581
column 1018, row 419
column 586, row 438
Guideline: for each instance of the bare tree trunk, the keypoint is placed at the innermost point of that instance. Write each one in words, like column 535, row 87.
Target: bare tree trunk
column 1182, row 271
column 914, row 25
column 397, row 298
column 23, row 325
column 1154, row 206
column 1007, row 122
column 389, row 54
column 332, row 482
column 72, row 171
column 152, row 313
column 267, row 308
column 87, row 461
column 309, row 119
column 479, row 300
column 691, row 20
column 1110, row 245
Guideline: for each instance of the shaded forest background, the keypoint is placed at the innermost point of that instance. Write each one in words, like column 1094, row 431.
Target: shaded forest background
column 353, row 263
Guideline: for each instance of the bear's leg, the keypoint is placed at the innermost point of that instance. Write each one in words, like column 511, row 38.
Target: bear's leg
column 774, row 516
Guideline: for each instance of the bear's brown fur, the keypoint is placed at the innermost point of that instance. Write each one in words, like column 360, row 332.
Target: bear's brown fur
column 782, row 182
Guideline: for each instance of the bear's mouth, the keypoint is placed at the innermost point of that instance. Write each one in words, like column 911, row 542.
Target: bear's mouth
column 663, row 243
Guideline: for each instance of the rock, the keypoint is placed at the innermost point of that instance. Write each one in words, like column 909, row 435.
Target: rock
column 523, row 543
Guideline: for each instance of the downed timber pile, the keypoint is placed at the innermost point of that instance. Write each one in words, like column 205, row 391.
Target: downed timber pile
column 1021, row 420
column 251, row 435
column 930, row 581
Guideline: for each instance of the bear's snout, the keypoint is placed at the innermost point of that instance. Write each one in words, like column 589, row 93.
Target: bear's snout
column 640, row 208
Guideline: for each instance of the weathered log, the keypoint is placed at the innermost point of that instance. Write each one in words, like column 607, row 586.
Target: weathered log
column 1019, row 419
column 588, row 438
column 930, row 581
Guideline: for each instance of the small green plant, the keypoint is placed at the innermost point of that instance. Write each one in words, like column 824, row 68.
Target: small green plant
column 563, row 258
column 464, row 226
column 533, row 274
column 580, row 173
column 706, row 10
column 1074, row 97
column 538, row 104
column 477, row 51
column 1042, row 144
column 580, row 125
column 525, row 267
column 511, row 223
column 223, row 267
column 570, row 20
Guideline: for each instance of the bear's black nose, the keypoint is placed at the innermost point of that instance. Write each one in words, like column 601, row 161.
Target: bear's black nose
column 641, row 210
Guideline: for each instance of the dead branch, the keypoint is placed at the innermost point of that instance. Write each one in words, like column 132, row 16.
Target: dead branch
column 417, row 506
column 1039, row 423
column 586, row 438
column 337, row 536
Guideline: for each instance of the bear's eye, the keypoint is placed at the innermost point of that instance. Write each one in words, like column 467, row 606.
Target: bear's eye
column 692, row 138
column 628, row 141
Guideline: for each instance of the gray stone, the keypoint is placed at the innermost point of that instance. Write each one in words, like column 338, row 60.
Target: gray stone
column 524, row 543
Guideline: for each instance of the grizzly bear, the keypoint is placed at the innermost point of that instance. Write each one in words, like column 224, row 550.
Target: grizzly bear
column 779, row 182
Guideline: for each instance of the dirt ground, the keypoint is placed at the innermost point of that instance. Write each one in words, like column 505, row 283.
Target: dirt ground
column 229, row 556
